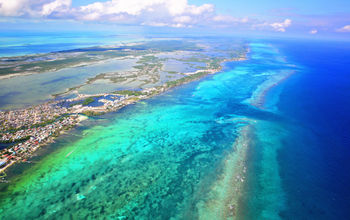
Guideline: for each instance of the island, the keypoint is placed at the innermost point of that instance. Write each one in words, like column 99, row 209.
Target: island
column 156, row 66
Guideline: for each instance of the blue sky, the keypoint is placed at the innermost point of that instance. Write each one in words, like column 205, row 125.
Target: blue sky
column 283, row 18
column 264, row 6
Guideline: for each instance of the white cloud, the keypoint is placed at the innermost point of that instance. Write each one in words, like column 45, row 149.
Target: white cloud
column 205, row 8
column 281, row 26
column 172, row 13
column 182, row 19
column 346, row 28
column 229, row 19
column 12, row 8
column 114, row 7
column 155, row 24
column 313, row 31
column 56, row 6
column 276, row 26
column 38, row 8
column 143, row 8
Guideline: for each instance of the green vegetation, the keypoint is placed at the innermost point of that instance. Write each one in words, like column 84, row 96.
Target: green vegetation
column 139, row 67
column 129, row 92
column 92, row 113
column 172, row 72
column 97, row 77
column 149, row 58
column 87, row 101
column 186, row 79
column 73, row 104
column 44, row 123
column 22, row 139
column 12, row 129
column 3, row 174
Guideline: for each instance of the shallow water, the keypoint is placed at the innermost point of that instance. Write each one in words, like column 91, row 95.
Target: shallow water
column 169, row 156
column 181, row 67
column 21, row 91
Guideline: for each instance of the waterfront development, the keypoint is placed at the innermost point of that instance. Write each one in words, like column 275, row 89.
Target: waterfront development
column 24, row 130
column 237, row 144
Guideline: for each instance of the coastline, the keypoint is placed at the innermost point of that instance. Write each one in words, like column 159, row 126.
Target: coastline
column 49, row 140
column 151, row 92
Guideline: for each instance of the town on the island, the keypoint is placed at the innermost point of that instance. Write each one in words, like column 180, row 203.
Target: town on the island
column 24, row 130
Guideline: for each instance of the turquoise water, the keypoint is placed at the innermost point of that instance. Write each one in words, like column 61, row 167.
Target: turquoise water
column 184, row 154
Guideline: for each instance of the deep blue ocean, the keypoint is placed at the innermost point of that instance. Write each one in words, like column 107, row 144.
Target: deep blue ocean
column 315, row 160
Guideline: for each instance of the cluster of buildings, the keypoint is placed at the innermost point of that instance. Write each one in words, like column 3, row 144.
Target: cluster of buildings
column 111, row 104
column 108, row 105
column 17, row 119
column 25, row 130
column 35, row 137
